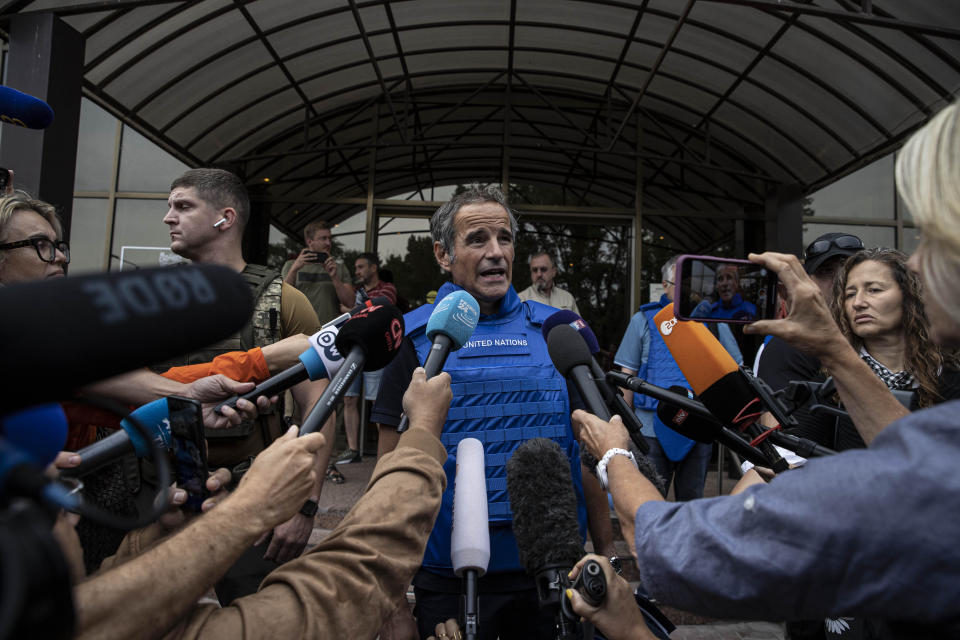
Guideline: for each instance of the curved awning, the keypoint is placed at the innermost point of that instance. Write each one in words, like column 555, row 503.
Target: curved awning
column 719, row 99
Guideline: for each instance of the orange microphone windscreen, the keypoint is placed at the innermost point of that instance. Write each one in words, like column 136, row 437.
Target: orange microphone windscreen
column 698, row 354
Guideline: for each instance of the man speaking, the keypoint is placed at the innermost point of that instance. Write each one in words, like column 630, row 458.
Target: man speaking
column 505, row 391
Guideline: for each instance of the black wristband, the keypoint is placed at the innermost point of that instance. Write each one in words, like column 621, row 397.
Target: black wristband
column 309, row 508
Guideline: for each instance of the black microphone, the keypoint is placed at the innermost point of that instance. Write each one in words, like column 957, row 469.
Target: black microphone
column 24, row 110
column 571, row 357
column 371, row 339
column 544, row 509
column 611, row 395
column 705, row 428
column 65, row 333
column 450, row 325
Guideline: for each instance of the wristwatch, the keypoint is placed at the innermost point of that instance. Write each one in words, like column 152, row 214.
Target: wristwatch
column 309, row 508
column 617, row 563
column 602, row 465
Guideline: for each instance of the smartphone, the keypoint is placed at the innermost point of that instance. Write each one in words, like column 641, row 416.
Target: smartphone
column 710, row 289
column 189, row 451
column 319, row 256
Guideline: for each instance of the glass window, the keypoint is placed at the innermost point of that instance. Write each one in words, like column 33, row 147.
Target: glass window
column 89, row 235
column 95, row 143
column 145, row 167
column 871, row 236
column 139, row 223
column 406, row 251
column 868, row 193
column 910, row 240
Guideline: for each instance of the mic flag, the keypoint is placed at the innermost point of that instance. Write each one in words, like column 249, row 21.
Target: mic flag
column 470, row 539
column 24, row 110
column 377, row 330
column 60, row 334
column 565, row 316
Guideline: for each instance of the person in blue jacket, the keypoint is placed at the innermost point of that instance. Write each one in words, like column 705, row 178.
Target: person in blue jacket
column 506, row 390
column 643, row 353
column 731, row 304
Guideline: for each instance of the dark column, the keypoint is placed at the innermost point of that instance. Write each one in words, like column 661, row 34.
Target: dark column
column 784, row 219
column 45, row 61
column 256, row 237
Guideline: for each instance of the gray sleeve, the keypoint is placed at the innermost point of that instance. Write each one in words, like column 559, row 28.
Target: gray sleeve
column 845, row 535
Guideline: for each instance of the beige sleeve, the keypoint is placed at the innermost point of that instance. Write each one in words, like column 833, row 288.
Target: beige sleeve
column 296, row 313
column 346, row 586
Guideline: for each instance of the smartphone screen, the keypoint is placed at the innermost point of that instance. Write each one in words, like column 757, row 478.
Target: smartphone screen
column 712, row 289
column 189, row 449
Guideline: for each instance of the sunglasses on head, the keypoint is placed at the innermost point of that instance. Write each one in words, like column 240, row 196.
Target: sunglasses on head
column 820, row 247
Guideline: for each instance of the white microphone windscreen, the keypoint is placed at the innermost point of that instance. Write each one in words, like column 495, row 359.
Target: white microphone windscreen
column 470, row 540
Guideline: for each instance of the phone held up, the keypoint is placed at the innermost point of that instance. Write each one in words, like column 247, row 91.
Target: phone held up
column 318, row 256
column 189, row 449
column 710, row 289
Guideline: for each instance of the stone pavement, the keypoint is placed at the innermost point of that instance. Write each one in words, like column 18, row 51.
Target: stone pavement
column 336, row 500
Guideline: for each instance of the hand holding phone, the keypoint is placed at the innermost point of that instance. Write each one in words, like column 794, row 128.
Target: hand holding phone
column 189, row 450
column 711, row 289
column 318, row 257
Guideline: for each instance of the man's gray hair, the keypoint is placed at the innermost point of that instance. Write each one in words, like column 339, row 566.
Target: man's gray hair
column 666, row 271
column 442, row 222
column 553, row 263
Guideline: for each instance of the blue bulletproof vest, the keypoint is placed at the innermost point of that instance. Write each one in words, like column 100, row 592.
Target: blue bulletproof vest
column 660, row 369
column 505, row 392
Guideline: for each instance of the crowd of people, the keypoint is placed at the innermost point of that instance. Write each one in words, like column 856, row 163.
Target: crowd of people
column 859, row 543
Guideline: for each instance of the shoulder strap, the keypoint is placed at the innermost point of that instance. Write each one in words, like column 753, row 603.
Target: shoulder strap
column 264, row 326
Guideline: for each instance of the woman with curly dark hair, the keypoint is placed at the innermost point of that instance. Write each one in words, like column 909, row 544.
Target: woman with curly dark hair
column 878, row 305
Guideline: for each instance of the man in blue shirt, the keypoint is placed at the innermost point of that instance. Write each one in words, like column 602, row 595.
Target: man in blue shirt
column 505, row 391
column 731, row 304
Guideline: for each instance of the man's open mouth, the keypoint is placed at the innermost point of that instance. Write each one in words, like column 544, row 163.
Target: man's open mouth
column 496, row 272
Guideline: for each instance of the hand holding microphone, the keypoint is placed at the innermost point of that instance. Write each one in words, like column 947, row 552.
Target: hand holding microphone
column 426, row 402
column 617, row 616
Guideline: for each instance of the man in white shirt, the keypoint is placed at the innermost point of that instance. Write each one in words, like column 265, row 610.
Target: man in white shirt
column 542, row 272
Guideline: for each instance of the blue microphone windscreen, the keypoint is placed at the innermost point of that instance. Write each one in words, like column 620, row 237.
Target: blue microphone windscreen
column 565, row 316
column 39, row 431
column 456, row 317
column 24, row 110
column 155, row 417
column 313, row 363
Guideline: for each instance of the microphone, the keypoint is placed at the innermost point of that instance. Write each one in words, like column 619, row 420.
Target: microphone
column 611, row 395
column 24, row 110
column 545, row 525
column 371, row 339
column 320, row 362
column 153, row 415
column 571, row 357
column 117, row 322
column 715, row 378
column 470, row 538
column 450, row 325
column 703, row 427
column 40, row 431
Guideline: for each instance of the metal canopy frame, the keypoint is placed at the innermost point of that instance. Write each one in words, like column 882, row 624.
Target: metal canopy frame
column 711, row 103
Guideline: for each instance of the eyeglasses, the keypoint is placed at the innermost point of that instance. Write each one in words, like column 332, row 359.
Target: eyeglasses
column 820, row 247
column 46, row 249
